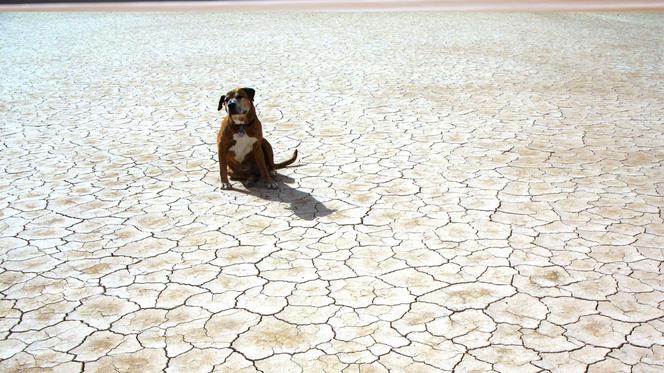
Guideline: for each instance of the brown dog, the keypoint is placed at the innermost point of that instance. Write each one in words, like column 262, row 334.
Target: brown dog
column 242, row 148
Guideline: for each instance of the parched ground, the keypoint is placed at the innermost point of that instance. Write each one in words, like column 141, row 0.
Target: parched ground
column 474, row 192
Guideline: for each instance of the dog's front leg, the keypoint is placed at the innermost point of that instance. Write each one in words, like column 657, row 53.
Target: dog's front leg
column 259, row 155
column 223, row 166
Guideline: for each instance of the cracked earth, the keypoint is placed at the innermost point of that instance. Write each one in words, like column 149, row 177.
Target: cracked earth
column 474, row 192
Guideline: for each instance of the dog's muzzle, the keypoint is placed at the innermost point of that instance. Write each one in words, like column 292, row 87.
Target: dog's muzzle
column 234, row 107
column 237, row 111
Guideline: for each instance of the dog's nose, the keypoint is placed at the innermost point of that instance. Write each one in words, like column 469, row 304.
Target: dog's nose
column 232, row 105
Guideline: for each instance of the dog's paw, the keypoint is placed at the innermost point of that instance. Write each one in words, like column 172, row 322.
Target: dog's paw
column 272, row 185
column 226, row 186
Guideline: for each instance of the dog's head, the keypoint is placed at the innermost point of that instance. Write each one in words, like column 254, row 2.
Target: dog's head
column 239, row 104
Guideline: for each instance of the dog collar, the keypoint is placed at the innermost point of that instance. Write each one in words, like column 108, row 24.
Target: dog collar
column 242, row 128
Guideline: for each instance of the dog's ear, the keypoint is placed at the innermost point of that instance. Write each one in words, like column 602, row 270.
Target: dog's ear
column 221, row 102
column 250, row 92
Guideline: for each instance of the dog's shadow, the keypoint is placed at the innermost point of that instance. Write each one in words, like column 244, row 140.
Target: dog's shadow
column 304, row 205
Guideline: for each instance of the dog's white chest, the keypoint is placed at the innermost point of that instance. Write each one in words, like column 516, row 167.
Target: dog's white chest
column 243, row 145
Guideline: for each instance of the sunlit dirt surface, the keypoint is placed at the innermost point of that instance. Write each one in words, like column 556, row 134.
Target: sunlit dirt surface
column 346, row 5
column 474, row 192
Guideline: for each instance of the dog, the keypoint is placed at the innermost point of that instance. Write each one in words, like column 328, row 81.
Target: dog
column 244, row 154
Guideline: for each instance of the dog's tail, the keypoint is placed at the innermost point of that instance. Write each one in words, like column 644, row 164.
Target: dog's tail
column 286, row 163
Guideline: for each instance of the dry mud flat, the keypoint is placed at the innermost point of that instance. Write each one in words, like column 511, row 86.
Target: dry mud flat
column 475, row 191
column 348, row 5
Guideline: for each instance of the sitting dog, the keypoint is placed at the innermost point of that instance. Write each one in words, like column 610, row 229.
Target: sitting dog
column 244, row 154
